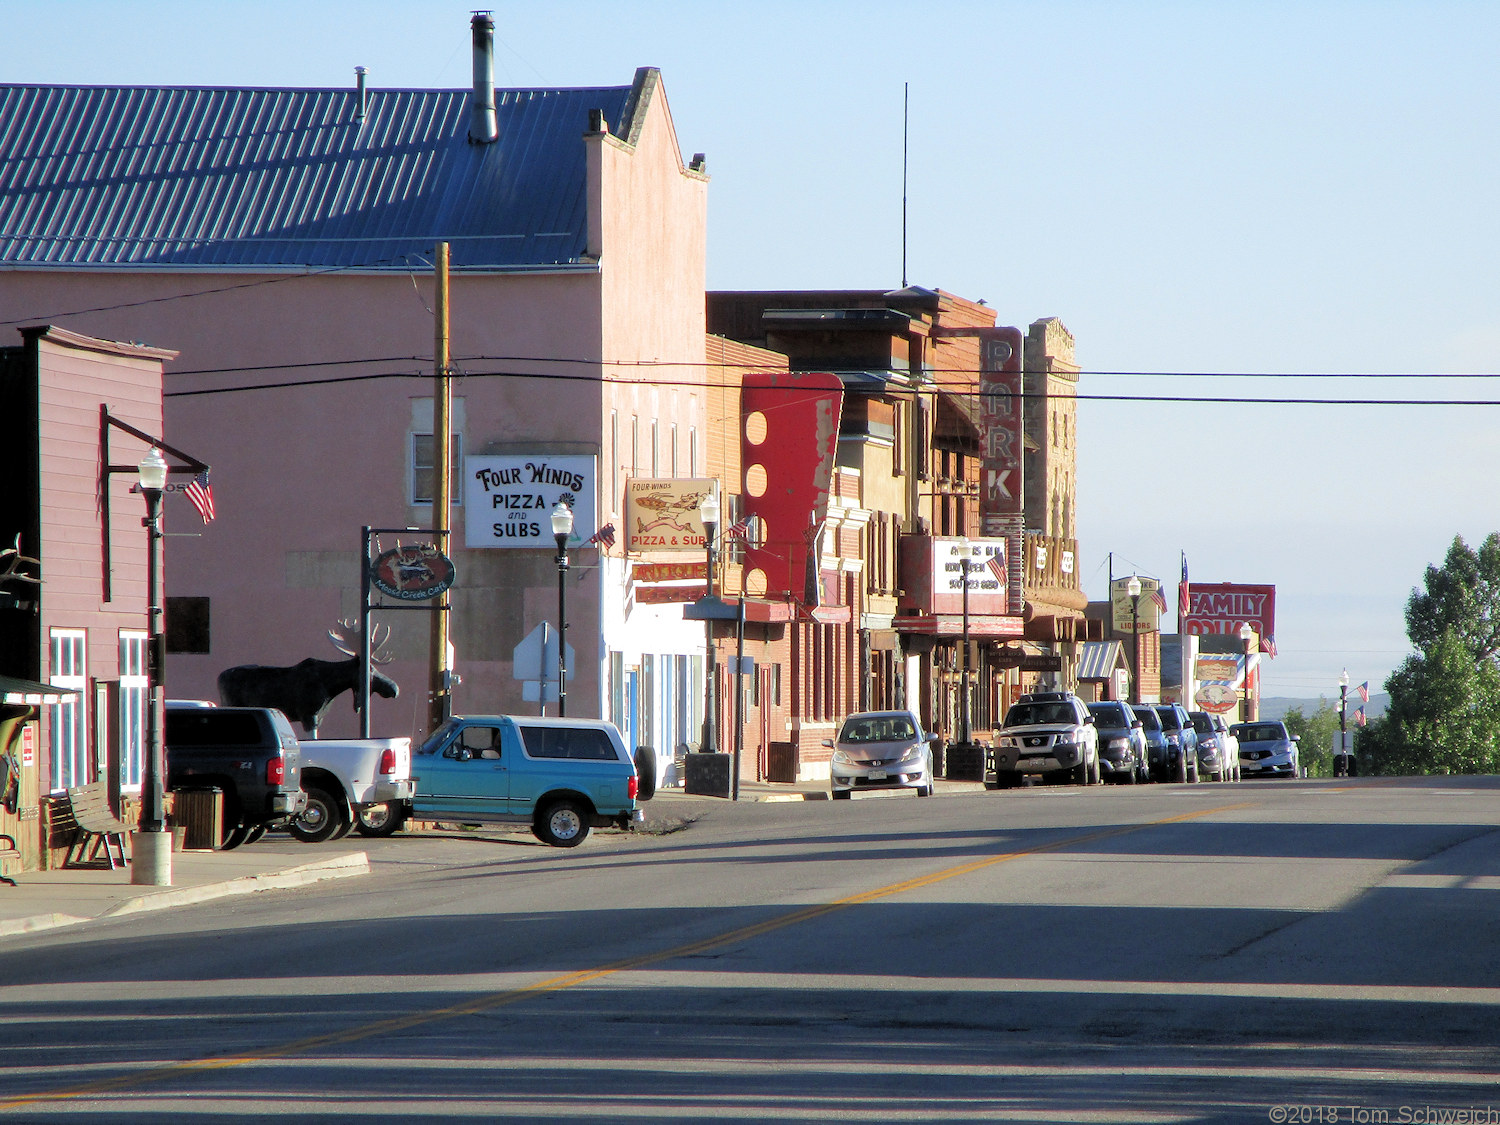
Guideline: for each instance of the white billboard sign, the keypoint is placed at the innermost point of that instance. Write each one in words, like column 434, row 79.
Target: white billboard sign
column 508, row 500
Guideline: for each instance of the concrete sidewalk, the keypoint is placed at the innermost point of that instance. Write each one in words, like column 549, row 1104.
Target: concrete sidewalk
column 44, row 900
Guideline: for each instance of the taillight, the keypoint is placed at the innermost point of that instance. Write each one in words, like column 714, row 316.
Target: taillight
column 387, row 761
column 276, row 771
column 634, row 787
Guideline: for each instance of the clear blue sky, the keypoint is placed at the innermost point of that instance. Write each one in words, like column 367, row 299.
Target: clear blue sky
column 1254, row 188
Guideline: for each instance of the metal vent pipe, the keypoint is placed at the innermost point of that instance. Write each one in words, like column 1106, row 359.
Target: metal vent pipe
column 483, row 129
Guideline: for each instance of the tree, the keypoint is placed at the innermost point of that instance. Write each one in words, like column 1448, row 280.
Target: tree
column 1314, row 734
column 1444, row 715
column 1461, row 596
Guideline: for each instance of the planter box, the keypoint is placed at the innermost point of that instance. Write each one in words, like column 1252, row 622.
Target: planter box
column 708, row 774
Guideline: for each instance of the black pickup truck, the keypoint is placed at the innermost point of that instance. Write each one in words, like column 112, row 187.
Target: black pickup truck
column 249, row 753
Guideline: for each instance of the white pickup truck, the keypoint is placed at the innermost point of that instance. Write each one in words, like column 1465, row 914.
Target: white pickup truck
column 361, row 783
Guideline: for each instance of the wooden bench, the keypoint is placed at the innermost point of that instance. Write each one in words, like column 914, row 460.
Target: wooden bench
column 96, row 824
column 8, row 853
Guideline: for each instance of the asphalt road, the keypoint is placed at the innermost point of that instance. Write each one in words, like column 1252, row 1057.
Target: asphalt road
column 1268, row 951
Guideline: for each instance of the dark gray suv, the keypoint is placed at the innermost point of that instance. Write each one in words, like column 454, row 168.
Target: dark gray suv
column 1182, row 742
column 1122, row 742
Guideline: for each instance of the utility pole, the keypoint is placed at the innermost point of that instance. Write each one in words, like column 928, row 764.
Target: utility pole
column 440, row 684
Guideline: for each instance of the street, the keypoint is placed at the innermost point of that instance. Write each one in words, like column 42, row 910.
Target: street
column 1278, row 950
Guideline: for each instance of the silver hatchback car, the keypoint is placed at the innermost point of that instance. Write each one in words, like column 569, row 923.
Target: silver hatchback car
column 880, row 750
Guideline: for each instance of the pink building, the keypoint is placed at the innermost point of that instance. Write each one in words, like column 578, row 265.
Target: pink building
column 281, row 241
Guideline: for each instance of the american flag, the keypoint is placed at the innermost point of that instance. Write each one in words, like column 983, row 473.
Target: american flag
column 605, row 535
column 996, row 563
column 1268, row 646
column 201, row 495
column 1364, row 691
column 1159, row 598
column 1359, row 717
column 1184, row 595
column 738, row 529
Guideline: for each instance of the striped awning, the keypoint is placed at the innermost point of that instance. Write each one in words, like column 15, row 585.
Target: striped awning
column 30, row 692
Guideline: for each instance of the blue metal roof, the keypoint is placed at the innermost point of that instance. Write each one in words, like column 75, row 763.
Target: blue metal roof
column 137, row 177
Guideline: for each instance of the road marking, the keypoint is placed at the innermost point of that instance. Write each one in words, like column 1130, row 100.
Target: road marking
column 566, row 981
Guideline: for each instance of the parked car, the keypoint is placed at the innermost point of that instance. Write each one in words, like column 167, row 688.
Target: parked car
column 563, row 776
column 1215, row 759
column 361, row 783
column 1122, row 742
column 249, row 754
column 1267, row 750
column 1182, row 742
column 1156, row 741
column 880, row 750
column 1046, row 733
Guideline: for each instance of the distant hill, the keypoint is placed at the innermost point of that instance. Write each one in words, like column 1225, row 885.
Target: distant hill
column 1276, row 706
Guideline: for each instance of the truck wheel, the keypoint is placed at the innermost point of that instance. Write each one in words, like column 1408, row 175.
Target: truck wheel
column 645, row 771
column 562, row 824
column 321, row 819
column 378, row 820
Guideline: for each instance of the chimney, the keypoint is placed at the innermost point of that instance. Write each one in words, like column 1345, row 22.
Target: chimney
column 482, row 127
column 360, row 103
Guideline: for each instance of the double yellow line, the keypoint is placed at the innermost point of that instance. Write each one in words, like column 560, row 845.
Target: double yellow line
column 493, row 1000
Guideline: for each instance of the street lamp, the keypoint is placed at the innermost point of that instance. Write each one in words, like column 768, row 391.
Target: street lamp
column 1133, row 588
column 1340, row 762
column 963, row 713
column 152, row 848
column 562, row 528
column 1245, row 634
column 708, row 512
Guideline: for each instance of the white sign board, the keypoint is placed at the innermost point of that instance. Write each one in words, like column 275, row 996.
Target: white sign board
column 508, row 500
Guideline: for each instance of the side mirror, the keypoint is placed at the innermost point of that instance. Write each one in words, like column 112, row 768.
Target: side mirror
column 1137, row 725
column 828, row 742
column 462, row 754
column 930, row 738
column 1088, row 720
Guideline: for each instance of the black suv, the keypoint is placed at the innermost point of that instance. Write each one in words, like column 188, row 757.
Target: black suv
column 1122, row 742
column 250, row 754
column 1182, row 742
column 1156, row 740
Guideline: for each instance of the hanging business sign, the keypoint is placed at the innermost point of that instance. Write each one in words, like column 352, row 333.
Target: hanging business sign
column 508, row 500
column 412, row 573
column 1222, row 607
column 1141, row 614
column 661, row 514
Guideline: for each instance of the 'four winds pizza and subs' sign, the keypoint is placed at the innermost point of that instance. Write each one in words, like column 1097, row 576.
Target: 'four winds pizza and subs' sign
column 508, row 500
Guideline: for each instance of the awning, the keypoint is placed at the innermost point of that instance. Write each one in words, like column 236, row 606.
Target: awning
column 1098, row 660
column 30, row 692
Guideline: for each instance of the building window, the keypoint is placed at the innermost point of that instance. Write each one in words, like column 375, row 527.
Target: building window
column 674, row 449
column 133, row 702
column 692, row 451
column 655, row 445
column 635, row 446
column 188, row 625
column 423, row 456
column 67, row 720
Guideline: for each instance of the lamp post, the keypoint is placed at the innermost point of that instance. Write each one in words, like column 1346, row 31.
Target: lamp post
column 562, row 528
column 1341, row 763
column 1245, row 634
column 152, row 847
column 1133, row 588
column 963, row 713
column 708, row 512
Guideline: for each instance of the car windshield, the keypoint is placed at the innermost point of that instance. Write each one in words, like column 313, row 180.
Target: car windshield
column 436, row 738
column 1169, row 719
column 877, row 728
column 1035, row 714
column 1112, row 714
column 1149, row 718
column 1261, row 732
column 1202, row 724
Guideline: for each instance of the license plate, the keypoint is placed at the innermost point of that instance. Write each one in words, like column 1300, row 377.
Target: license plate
column 879, row 775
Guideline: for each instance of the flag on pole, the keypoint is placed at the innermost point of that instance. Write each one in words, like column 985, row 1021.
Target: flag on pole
column 996, row 563
column 738, row 529
column 605, row 536
column 1268, row 646
column 1184, row 594
column 1364, row 691
column 201, row 495
column 1359, row 717
column 1159, row 598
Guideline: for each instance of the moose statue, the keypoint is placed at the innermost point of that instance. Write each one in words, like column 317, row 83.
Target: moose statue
column 303, row 692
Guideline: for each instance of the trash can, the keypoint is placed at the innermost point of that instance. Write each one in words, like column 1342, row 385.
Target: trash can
column 782, row 762
column 200, row 814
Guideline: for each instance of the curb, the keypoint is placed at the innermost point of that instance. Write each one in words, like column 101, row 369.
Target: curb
column 36, row 923
column 340, row 867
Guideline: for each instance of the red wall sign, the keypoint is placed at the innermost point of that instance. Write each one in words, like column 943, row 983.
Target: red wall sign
column 1222, row 607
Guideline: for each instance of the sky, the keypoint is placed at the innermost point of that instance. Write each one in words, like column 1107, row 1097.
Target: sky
column 1267, row 202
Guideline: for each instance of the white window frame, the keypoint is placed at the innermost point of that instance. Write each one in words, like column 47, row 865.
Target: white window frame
column 68, row 719
column 455, row 476
column 134, row 699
